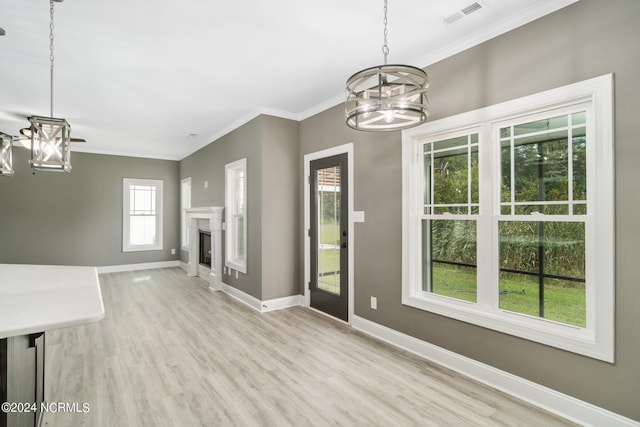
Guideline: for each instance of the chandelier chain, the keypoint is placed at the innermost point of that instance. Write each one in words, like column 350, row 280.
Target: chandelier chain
column 51, row 58
column 385, row 47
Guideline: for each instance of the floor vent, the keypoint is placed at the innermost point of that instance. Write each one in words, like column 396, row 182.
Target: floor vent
column 465, row 11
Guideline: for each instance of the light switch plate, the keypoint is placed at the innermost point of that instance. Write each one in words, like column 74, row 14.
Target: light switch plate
column 358, row 216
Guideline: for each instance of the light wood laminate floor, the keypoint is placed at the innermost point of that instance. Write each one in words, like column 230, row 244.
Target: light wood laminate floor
column 172, row 353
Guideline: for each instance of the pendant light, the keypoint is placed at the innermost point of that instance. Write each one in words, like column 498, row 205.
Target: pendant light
column 386, row 97
column 50, row 137
column 6, row 147
column 6, row 155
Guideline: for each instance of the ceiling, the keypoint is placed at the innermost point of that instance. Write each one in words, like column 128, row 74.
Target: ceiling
column 164, row 78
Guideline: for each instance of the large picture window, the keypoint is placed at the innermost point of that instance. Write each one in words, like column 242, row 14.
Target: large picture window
column 236, row 215
column 142, row 215
column 508, row 218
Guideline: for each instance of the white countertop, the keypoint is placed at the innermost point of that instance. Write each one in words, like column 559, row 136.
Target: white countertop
column 37, row 298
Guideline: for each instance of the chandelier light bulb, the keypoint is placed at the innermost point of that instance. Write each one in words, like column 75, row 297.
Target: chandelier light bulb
column 389, row 116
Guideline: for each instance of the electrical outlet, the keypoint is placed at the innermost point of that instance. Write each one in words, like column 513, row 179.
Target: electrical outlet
column 374, row 303
column 206, row 184
column 236, row 274
column 173, row 251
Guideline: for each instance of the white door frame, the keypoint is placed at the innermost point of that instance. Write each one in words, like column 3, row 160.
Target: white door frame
column 308, row 158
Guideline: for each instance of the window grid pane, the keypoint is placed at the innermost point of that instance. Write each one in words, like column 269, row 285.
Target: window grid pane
column 449, row 250
column 240, row 199
column 143, row 200
column 450, row 176
column 543, row 163
column 542, row 269
column 142, row 230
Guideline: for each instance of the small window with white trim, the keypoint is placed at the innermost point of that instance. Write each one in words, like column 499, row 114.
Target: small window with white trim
column 142, row 215
column 185, row 203
column 508, row 218
column 236, row 215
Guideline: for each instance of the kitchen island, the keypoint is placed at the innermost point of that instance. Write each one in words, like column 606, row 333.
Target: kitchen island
column 35, row 299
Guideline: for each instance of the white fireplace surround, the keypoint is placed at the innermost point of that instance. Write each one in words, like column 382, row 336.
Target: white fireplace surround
column 212, row 216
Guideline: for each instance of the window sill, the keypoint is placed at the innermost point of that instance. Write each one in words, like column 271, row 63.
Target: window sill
column 567, row 337
column 242, row 268
column 142, row 248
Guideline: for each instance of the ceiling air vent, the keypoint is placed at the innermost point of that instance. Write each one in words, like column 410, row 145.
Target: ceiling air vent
column 465, row 11
column 471, row 8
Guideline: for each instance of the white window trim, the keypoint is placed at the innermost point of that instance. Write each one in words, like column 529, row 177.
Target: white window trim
column 239, row 265
column 126, row 245
column 185, row 203
column 596, row 340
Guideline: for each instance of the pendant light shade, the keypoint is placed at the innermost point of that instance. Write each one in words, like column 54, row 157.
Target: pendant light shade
column 387, row 98
column 6, row 155
column 50, row 137
column 50, row 144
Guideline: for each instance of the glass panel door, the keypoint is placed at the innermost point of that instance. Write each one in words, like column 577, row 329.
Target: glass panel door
column 328, row 219
column 329, row 237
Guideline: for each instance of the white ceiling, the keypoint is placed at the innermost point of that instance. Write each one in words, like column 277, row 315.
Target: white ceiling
column 138, row 77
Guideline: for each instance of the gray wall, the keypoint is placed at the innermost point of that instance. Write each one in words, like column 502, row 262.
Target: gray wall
column 281, row 257
column 76, row 218
column 207, row 164
column 270, row 145
column 585, row 40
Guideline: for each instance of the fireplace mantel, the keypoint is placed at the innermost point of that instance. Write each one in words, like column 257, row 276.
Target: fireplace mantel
column 213, row 218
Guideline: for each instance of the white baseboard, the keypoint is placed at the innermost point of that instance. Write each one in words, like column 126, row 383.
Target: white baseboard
column 280, row 303
column 134, row 267
column 261, row 306
column 558, row 403
column 243, row 297
column 183, row 265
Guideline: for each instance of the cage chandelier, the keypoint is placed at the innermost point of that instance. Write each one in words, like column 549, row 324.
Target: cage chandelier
column 50, row 137
column 6, row 155
column 386, row 97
